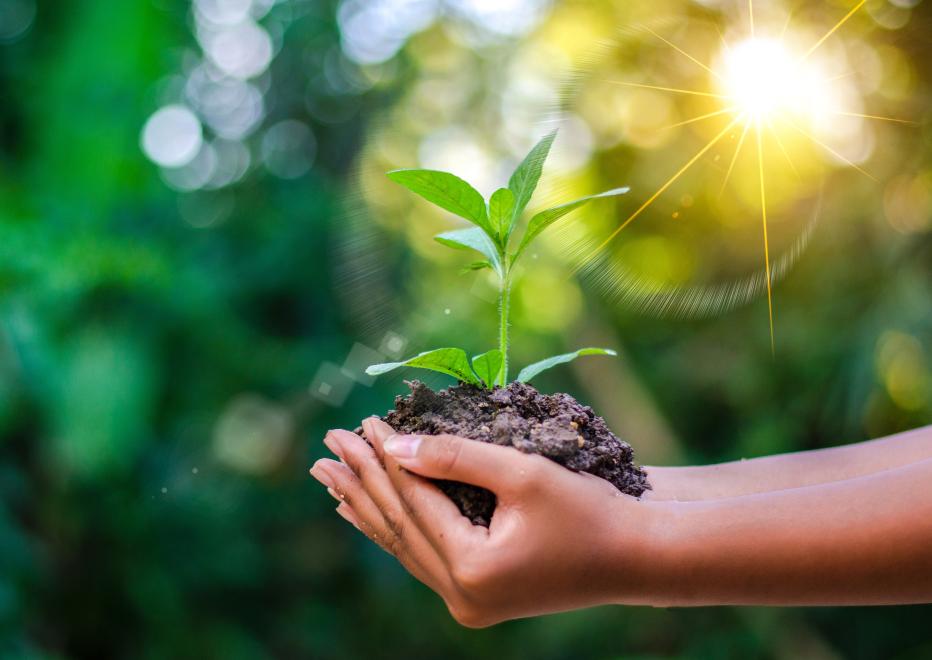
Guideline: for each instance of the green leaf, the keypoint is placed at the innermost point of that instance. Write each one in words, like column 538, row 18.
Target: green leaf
column 523, row 182
column 451, row 361
column 447, row 191
column 489, row 367
column 544, row 219
column 476, row 265
column 501, row 208
column 472, row 238
column 533, row 369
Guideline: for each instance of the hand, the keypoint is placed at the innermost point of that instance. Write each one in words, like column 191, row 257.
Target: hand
column 561, row 540
column 558, row 540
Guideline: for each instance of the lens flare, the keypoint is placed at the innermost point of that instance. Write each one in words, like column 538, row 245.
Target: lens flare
column 765, row 88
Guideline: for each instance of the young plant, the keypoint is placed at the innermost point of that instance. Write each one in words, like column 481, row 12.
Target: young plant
column 495, row 223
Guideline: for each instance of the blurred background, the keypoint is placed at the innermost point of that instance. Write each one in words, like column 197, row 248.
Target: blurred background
column 200, row 253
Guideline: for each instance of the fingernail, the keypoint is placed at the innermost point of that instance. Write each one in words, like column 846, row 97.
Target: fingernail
column 367, row 427
column 333, row 444
column 321, row 475
column 335, row 495
column 403, row 446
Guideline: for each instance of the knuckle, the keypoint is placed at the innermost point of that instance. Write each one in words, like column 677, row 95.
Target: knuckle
column 360, row 459
column 409, row 495
column 395, row 521
column 364, row 470
column 413, row 505
column 447, row 449
column 532, row 477
column 380, row 538
column 394, row 547
column 470, row 577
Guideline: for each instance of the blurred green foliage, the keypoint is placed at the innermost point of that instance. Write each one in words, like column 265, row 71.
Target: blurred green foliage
column 160, row 333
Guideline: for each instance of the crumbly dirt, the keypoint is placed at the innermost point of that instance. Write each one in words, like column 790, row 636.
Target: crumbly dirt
column 552, row 425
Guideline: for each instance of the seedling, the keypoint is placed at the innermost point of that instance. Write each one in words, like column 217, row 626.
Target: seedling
column 495, row 223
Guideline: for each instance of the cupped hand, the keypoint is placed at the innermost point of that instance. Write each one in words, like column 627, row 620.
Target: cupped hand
column 558, row 539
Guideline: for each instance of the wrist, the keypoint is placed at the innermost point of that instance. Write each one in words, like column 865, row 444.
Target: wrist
column 695, row 548
column 692, row 483
column 649, row 553
column 669, row 483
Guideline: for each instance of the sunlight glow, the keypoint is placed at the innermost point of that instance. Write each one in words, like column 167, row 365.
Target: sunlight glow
column 761, row 82
column 763, row 78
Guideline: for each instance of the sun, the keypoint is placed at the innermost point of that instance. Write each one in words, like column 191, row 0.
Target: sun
column 761, row 78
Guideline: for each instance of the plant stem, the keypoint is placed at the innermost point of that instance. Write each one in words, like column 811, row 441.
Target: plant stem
column 504, row 301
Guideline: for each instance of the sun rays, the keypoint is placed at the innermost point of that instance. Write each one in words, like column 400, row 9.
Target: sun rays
column 763, row 82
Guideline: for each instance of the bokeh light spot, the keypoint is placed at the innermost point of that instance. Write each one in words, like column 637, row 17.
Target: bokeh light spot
column 289, row 149
column 16, row 17
column 172, row 136
column 242, row 51
column 901, row 365
column 253, row 434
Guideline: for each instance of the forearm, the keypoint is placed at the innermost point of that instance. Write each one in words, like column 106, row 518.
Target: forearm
column 800, row 469
column 864, row 540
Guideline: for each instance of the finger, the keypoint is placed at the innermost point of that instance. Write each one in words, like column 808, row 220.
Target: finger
column 435, row 514
column 458, row 459
column 437, row 517
column 345, row 487
column 374, row 429
column 358, row 509
column 406, row 538
column 346, row 512
column 361, row 457
column 376, row 432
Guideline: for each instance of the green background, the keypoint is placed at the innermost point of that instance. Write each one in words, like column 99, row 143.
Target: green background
column 162, row 350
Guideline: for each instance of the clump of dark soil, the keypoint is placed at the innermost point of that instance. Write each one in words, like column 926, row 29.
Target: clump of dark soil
column 552, row 425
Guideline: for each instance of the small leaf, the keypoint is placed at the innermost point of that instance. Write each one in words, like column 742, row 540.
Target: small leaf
column 523, row 182
column 472, row 238
column 488, row 366
column 544, row 219
column 501, row 207
column 450, row 361
column 533, row 369
column 447, row 191
column 476, row 265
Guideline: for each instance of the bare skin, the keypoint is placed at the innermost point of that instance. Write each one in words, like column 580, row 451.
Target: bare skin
column 851, row 525
column 782, row 471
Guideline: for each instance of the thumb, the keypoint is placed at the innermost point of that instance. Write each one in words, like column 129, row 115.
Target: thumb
column 457, row 459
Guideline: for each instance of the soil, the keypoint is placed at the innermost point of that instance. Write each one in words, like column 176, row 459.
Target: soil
column 552, row 425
